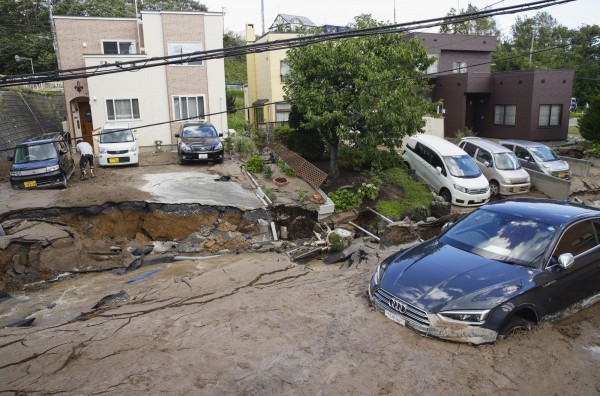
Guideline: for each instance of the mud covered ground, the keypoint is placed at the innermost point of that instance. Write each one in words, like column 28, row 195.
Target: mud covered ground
column 257, row 324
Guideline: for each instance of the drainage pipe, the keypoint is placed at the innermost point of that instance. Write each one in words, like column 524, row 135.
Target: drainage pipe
column 264, row 196
column 380, row 215
column 184, row 258
column 365, row 231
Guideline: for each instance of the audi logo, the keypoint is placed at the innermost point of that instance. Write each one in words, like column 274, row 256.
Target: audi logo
column 397, row 305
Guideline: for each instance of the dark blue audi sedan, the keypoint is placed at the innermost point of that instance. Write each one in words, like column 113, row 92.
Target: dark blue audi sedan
column 503, row 267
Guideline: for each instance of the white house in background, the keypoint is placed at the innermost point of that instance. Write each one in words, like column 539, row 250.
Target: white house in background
column 158, row 95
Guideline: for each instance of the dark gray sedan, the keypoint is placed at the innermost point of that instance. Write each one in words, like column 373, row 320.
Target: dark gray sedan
column 503, row 267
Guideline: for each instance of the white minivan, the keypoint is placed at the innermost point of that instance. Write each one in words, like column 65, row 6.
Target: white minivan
column 449, row 170
column 117, row 145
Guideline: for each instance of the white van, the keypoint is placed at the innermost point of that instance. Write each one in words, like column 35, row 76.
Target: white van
column 499, row 165
column 117, row 145
column 448, row 169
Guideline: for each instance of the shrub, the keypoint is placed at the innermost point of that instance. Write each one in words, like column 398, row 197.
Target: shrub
column 267, row 172
column 270, row 194
column 462, row 133
column 302, row 195
column 345, row 200
column 351, row 158
column 416, row 194
column 281, row 133
column 255, row 164
column 228, row 144
column 336, row 242
column 259, row 138
column 307, row 143
column 589, row 124
column 368, row 191
column 384, row 159
column 289, row 171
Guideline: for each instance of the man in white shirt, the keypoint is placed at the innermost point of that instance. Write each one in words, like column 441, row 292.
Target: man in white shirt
column 87, row 155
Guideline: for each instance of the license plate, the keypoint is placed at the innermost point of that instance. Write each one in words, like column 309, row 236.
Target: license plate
column 395, row 317
column 202, row 156
column 514, row 189
column 477, row 200
column 113, row 160
column 562, row 175
column 31, row 183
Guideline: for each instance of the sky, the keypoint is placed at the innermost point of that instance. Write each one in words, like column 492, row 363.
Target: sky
column 238, row 13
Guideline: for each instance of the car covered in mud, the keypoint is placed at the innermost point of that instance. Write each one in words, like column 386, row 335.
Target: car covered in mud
column 199, row 141
column 503, row 267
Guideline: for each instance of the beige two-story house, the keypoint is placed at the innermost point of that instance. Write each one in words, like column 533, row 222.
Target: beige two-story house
column 153, row 100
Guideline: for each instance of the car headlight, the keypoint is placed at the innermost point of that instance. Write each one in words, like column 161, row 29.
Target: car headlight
column 460, row 188
column 15, row 173
column 507, row 181
column 102, row 150
column 475, row 317
column 184, row 147
column 219, row 146
column 132, row 149
column 528, row 179
column 52, row 168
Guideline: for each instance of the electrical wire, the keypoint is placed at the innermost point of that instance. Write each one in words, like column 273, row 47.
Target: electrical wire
column 98, row 70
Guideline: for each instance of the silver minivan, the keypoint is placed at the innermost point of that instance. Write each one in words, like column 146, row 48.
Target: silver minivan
column 499, row 165
column 538, row 157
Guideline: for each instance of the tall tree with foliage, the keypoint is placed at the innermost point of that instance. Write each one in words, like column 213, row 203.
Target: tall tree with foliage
column 584, row 58
column 235, row 66
column 528, row 35
column 366, row 90
column 25, row 26
column 478, row 27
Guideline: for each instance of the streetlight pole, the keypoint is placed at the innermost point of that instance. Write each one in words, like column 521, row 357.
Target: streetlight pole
column 22, row 58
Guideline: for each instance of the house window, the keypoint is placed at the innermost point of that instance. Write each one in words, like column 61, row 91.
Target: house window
column 118, row 47
column 185, row 48
column 505, row 114
column 259, row 114
column 550, row 115
column 188, row 107
column 122, row 109
column 459, row 67
column 433, row 68
column 282, row 112
column 284, row 69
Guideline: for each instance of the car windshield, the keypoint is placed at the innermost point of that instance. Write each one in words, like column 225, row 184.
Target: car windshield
column 35, row 153
column 500, row 236
column 543, row 153
column 507, row 161
column 199, row 131
column 462, row 166
column 116, row 136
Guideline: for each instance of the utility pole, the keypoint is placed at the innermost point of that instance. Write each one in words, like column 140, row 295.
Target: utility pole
column 262, row 14
column 531, row 49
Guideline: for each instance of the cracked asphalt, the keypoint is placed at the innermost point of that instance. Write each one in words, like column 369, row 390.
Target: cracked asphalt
column 258, row 324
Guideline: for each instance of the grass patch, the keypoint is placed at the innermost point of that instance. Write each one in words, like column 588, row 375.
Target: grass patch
column 574, row 130
column 415, row 194
column 575, row 115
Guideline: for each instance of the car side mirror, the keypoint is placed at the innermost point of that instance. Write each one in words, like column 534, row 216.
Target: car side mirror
column 566, row 260
column 10, row 158
column 220, row 135
column 527, row 158
column 488, row 164
column 63, row 151
column 437, row 168
column 176, row 135
column 447, row 226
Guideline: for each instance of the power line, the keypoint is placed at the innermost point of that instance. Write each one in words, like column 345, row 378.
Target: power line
column 92, row 71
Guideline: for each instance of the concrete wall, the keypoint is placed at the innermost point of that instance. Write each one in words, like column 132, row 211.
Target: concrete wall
column 551, row 186
column 27, row 114
column 579, row 167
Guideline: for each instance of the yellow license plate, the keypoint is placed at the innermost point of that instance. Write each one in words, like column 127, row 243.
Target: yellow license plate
column 31, row 183
column 113, row 160
column 561, row 175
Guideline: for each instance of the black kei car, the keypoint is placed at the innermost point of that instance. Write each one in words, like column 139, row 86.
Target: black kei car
column 199, row 141
column 41, row 161
column 502, row 267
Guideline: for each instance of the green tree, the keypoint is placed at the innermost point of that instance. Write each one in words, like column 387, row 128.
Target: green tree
column 479, row 27
column 589, row 124
column 541, row 32
column 367, row 90
column 584, row 58
column 120, row 8
column 235, row 66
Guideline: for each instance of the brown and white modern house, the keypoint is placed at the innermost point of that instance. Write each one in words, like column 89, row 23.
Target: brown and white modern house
column 531, row 104
column 159, row 95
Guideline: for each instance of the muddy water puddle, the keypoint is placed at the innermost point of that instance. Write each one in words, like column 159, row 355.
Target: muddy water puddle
column 62, row 301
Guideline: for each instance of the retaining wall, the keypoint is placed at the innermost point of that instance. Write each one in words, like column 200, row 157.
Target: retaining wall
column 579, row 167
column 551, row 186
column 24, row 114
